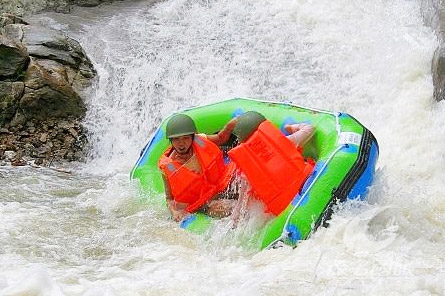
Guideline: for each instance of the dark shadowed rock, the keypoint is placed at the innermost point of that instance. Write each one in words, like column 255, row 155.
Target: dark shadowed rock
column 10, row 94
column 433, row 12
column 89, row 3
column 13, row 58
column 438, row 70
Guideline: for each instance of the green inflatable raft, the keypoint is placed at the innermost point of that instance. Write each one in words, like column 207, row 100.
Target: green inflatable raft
column 344, row 150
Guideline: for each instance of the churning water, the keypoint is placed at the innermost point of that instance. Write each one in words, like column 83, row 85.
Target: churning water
column 87, row 233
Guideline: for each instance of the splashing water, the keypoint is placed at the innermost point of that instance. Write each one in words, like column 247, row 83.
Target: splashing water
column 88, row 234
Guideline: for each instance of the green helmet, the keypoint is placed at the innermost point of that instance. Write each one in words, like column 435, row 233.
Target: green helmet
column 180, row 125
column 246, row 124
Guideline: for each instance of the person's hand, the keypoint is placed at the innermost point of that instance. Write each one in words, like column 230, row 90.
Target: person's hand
column 292, row 128
column 178, row 215
column 231, row 124
column 288, row 128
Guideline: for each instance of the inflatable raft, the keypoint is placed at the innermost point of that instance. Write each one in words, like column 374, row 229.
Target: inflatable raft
column 344, row 150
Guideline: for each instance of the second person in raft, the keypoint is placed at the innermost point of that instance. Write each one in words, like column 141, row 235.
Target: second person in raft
column 272, row 163
column 195, row 175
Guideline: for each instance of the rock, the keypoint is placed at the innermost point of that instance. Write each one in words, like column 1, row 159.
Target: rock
column 19, row 119
column 14, row 58
column 29, row 149
column 9, row 19
column 73, row 132
column 63, row 124
column 42, row 73
column 89, row 3
column 35, row 141
column 438, row 69
column 43, row 137
column 43, row 151
column 21, row 7
column 51, row 123
column 14, row 32
column 8, row 145
column 48, row 44
column 10, row 155
column 60, row 137
column 69, row 140
column 48, row 94
column 45, row 43
column 62, row 153
column 10, row 93
column 18, row 162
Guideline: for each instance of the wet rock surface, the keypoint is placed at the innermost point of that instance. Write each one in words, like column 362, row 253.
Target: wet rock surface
column 42, row 75
column 433, row 12
column 20, row 7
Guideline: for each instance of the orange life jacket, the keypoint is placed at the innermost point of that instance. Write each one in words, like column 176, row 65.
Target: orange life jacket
column 195, row 189
column 275, row 168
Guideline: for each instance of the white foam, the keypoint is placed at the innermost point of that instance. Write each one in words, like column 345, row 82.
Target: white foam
column 369, row 59
column 36, row 281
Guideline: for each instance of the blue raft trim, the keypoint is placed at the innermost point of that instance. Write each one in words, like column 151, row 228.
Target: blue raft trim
column 293, row 234
column 364, row 165
column 361, row 188
column 188, row 221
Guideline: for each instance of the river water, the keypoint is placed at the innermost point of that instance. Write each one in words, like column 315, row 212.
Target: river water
column 89, row 233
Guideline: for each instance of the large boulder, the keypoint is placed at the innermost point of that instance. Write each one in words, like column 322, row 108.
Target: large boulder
column 50, row 84
column 14, row 58
column 48, row 44
column 42, row 74
column 48, row 93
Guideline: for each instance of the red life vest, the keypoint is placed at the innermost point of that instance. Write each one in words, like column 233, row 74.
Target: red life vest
column 195, row 189
column 275, row 168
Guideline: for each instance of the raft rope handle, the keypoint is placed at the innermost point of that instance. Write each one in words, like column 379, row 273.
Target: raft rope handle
column 284, row 233
column 337, row 123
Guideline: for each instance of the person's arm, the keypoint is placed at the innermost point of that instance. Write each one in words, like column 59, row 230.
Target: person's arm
column 176, row 209
column 300, row 133
column 223, row 135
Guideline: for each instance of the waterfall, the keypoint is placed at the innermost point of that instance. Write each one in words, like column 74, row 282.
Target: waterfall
column 371, row 59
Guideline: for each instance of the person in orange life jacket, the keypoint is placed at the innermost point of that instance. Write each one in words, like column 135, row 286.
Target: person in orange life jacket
column 272, row 162
column 194, row 173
